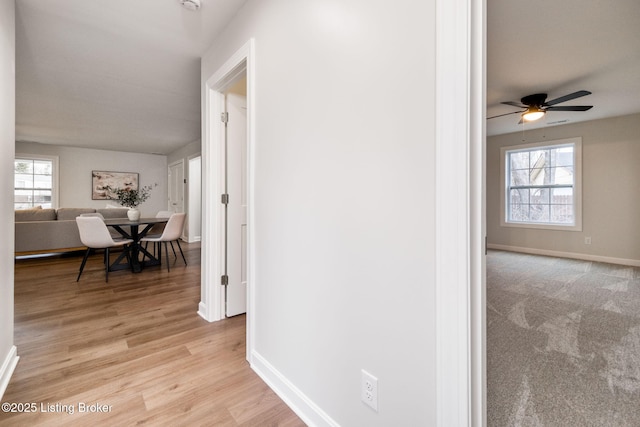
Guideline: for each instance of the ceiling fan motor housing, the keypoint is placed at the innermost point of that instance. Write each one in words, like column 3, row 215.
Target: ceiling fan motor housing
column 535, row 99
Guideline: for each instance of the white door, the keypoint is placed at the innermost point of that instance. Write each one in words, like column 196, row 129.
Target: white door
column 176, row 187
column 236, row 251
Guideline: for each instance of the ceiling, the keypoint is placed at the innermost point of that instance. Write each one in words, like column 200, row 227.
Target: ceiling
column 125, row 75
column 560, row 47
column 113, row 74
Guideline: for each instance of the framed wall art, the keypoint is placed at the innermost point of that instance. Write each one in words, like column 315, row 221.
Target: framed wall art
column 102, row 179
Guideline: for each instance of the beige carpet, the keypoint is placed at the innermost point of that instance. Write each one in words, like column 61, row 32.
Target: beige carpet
column 563, row 342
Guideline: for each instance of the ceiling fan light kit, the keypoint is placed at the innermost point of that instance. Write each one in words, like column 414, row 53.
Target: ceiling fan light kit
column 532, row 114
column 190, row 4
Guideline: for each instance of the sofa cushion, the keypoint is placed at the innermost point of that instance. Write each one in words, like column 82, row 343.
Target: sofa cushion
column 39, row 214
column 66, row 214
column 108, row 213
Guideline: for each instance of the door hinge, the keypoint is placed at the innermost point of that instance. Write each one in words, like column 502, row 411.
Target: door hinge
column 224, row 199
column 224, row 117
column 224, row 280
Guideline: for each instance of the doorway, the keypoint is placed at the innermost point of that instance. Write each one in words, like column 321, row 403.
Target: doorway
column 212, row 305
column 194, row 201
column 176, row 187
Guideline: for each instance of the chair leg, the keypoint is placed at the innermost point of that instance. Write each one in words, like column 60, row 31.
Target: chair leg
column 158, row 254
column 181, row 253
column 166, row 254
column 106, row 257
column 84, row 261
column 173, row 249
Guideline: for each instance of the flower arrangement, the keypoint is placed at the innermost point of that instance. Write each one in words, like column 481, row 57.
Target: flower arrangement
column 128, row 197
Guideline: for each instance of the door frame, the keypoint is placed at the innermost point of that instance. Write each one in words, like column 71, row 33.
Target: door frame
column 211, row 306
column 460, row 212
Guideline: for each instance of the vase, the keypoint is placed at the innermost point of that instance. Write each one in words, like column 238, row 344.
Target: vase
column 133, row 214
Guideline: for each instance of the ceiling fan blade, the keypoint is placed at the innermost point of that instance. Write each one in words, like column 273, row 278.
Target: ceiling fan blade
column 514, row 104
column 506, row 114
column 570, row 108
column 569, row 97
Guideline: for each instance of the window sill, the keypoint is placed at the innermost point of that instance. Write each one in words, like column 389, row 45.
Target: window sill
column 541, row 226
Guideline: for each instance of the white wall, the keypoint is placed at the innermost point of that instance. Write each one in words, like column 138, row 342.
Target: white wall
column 76, row 164
column 611, row 202
column 7, row 135
column 344, row 200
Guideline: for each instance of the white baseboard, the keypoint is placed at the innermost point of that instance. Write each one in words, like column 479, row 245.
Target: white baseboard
column 7, row 368
column 572, row 255
column 299, row 403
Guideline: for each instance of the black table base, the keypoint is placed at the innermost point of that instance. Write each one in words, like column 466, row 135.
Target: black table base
column 135, row 248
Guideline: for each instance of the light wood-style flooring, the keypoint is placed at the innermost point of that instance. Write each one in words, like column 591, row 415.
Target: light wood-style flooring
column 134, row 344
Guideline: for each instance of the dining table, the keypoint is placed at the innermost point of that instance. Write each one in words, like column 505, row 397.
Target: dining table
column 135, row 230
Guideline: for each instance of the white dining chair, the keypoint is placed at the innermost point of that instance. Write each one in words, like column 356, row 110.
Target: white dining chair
column 157, row 229
column 95, row 235
column 171, row 233
column 113, row 232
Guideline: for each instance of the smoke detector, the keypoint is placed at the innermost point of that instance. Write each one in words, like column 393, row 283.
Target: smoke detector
column 190, row 4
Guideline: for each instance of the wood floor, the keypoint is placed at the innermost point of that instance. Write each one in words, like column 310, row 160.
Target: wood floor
column 134, row 346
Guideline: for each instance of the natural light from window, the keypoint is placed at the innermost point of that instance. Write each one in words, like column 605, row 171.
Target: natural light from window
column 542, row 188
column 34, row 183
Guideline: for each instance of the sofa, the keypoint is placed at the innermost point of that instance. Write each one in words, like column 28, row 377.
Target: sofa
column 53, row 230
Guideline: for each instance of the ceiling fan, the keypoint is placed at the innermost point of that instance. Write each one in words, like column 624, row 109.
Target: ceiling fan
column 535, row 106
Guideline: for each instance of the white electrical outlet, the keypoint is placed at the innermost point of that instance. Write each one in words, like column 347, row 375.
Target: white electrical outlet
column 587, row 240
column 369, row 390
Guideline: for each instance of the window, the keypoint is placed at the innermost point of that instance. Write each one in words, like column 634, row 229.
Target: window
column 35, row 181
column 542, row 185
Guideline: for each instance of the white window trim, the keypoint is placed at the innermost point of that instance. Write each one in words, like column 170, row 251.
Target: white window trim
column 577, row 188
column 54, row 173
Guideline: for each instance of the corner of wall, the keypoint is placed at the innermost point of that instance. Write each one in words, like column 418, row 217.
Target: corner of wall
column 8, row 352
column 7, row 368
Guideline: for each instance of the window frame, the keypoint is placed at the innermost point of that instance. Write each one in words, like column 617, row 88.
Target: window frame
column 54, row 173
column 576, row 142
